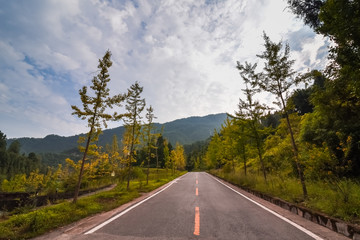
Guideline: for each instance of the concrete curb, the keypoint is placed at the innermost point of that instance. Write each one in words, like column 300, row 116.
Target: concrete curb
column 349, row 230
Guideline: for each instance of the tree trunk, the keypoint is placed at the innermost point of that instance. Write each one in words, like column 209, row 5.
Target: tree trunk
column 244, row 158
column 295, row 150
column 77, row 188
column 148, row 167
column 296, row 155
column 157, row 161
column 258, row 146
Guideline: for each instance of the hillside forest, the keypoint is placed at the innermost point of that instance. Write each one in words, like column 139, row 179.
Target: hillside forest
column 304, row 147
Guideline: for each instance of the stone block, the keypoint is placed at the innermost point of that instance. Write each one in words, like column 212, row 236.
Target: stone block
column 308, row 216
column 356, row 236
column 294, row 209
column 322, row 220
column 343, row 228
column 300, row 212
column 331, row 225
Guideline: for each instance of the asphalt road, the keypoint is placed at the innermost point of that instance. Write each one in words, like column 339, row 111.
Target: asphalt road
column 196, row 206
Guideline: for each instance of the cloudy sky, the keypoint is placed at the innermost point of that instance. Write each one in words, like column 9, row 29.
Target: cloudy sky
column 183, row 53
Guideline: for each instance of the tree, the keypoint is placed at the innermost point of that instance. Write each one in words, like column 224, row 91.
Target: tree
column 134, row 106
column 307, row 9
column 338, row 101
column 160, row 162
column 242, row 140
column 277, row 78
column 300, row 101
column 339, row 20
column 114, row 155
column 149, row 138
column 3, row 156
column 177, row 158
column 167, row 159
column 251, row 112
column 213, row 156
column 94, row 108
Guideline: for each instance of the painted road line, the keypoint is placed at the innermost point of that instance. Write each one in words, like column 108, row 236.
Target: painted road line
column 197, row 192
column 197, row 221
column 274, row 213
column 197, row 182
column 130, row 208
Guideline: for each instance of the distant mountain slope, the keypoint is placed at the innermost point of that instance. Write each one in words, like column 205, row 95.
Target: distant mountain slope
column 193, row 129
column 184, row 131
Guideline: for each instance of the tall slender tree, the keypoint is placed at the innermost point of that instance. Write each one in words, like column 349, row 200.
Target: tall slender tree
column 134, row 106
column 149, row 138
column 250, row 113
column 277, row 78
column 95, row 106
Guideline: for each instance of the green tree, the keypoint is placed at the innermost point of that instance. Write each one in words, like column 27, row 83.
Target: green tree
column 160, row 144
column 338, row 101
column 134, row 106
column 251, row 112
column 177, row 158
column 167, row 160
column 213, row 156
column 94, row 108
column 242, row 140
column 149, row 138
column 114, row 155
column 277, row 78
column 4, row 159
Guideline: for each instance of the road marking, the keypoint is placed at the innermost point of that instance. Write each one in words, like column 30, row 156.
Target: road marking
column 197, row 182
column 197, row 221
column 197, row 192
column 274, row 213
column 130, row 208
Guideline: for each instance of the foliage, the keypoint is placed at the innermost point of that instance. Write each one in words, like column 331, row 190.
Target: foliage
column 328, row 197
column 148, row 138
column 134, row 107
column 94, row 108
column 177, row 158
column 13, row 163
column 337, row 102
column 276, row 78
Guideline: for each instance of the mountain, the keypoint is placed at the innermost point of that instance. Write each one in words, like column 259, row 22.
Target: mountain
column 184, row 131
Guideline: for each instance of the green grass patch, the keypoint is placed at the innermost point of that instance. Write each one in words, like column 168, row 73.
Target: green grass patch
column 40, row 221
column 339, row 199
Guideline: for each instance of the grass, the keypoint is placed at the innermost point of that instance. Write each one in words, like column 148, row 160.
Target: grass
column 339, row 199
column 40, row 221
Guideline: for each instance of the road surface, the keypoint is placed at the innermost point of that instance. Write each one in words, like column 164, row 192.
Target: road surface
column 197, row 206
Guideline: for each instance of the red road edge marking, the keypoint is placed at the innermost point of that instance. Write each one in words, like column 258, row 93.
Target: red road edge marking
column 197, row 221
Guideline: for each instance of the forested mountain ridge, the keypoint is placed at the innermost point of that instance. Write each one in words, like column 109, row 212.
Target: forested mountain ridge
column 184, row 131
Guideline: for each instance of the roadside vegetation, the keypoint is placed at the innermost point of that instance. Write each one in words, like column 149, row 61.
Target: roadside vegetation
column 28, row 222
column 338, row 199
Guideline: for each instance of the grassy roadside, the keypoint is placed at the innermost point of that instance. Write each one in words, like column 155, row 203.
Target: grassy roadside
column 40, row 221
column 336, row 199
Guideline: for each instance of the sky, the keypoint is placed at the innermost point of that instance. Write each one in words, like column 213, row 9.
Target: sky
column 182, row 52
